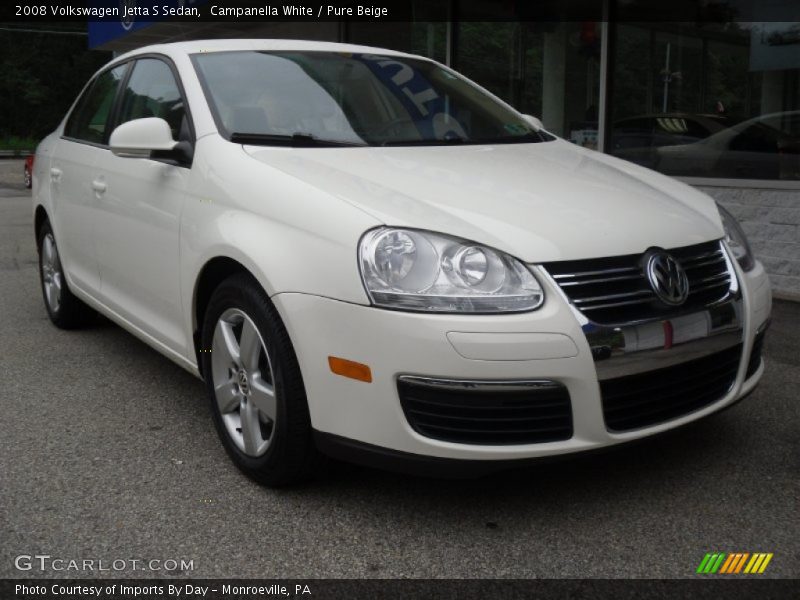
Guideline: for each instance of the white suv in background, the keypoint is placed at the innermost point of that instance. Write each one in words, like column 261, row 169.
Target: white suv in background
column 366, row 255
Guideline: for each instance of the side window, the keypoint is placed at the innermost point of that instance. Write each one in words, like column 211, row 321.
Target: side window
column 89, row 119
column 152, row 92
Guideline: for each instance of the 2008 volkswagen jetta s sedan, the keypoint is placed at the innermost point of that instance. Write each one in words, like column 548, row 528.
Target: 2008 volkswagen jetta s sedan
column 366, row 255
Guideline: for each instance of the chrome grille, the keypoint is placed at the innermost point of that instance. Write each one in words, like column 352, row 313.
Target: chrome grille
column 615, row 289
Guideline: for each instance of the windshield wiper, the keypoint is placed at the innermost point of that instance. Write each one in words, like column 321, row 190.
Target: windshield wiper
column 528, row 138
column 296, row 140
column 426, row 142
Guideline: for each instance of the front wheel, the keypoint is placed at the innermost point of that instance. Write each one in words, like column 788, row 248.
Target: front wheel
column 254, row 385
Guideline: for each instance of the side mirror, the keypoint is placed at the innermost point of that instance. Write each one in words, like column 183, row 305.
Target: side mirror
column 537, row 124
column 140, row 137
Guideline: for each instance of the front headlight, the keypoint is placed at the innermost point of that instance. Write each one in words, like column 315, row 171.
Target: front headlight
column 737, row 240
column 417, row 270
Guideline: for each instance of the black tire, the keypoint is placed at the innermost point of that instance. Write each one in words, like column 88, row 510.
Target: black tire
column 70, row 312
column 291, row 455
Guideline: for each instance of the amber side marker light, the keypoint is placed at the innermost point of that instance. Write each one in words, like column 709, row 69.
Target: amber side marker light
column 348, row 368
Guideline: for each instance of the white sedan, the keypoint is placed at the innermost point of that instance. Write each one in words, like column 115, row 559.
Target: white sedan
column 760, row 148
column 367, row 256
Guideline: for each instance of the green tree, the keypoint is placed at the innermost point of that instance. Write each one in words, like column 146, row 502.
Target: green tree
column 42, row 69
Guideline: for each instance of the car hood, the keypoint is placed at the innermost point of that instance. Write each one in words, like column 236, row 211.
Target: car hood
column 539, row 202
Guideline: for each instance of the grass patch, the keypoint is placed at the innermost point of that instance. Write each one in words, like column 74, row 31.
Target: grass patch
column 18, row 144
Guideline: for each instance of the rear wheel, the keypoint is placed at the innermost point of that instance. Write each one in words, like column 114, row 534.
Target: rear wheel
column 64, row 309
column 254, row 385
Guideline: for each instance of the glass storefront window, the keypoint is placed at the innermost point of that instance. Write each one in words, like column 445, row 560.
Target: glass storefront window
column 550, row 70
column 426, row 35
column 718, row 100
column 701, row 98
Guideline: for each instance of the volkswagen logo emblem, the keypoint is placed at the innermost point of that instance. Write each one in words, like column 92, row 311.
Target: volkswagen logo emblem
column 243, row 381
column 667, row 278
column 126, row 18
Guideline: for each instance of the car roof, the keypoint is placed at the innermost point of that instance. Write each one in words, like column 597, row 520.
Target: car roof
column 228, row 45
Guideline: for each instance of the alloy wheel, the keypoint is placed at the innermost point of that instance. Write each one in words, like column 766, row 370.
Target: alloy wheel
column 243, row 381
column 52, row 278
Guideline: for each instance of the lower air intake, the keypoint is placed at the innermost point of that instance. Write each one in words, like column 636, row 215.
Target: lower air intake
column 646, row 399
column 486, row 412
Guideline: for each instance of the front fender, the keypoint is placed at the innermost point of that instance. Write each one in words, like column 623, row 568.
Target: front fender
column 291, row 236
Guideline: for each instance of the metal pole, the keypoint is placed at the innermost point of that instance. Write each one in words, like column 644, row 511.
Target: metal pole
column 666, row 80
column 448, row 43
column 603, row 104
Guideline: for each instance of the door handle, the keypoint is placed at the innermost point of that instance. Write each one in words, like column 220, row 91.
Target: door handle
column 99, row 186
column 55, row 174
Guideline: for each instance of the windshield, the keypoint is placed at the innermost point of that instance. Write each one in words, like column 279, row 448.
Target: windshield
column 351, row 99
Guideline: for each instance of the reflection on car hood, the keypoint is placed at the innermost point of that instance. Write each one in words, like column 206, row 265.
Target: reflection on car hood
column 540, row 202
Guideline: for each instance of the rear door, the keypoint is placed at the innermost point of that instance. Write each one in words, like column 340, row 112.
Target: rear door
column 139, row 211
column 71, row 179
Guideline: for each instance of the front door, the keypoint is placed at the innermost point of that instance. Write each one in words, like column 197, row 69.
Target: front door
column 140, row 211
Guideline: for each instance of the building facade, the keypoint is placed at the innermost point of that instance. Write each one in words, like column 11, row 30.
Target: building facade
column 714, row 102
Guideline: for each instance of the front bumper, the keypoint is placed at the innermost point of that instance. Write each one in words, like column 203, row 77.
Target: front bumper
column 548, row 344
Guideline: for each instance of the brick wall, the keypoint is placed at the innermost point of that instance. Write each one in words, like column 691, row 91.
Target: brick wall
column 771, row 220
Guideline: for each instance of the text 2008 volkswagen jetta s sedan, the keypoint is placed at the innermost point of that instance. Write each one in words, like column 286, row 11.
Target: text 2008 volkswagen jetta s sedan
column 366, row 255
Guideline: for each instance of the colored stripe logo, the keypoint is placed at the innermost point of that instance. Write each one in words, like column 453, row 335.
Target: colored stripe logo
column 734, row 563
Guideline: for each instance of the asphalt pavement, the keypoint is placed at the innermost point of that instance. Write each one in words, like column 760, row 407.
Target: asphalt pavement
column 108, row 452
